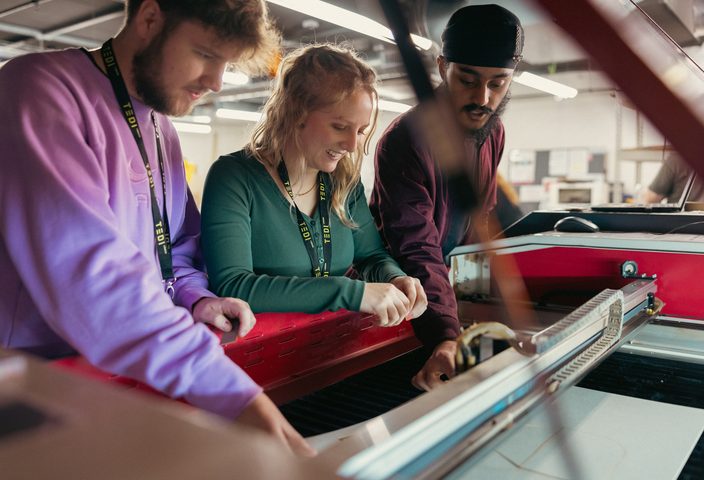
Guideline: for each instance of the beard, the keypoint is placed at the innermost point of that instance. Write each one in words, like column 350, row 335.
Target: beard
column 146, row 72
column 481, row 134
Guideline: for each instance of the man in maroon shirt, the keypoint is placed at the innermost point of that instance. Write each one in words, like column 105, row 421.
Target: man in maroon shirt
column 422, row 211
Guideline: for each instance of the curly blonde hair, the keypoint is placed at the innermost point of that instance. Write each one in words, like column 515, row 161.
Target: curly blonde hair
column 309, row 79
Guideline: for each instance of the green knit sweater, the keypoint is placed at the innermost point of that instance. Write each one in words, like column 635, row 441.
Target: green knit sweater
column 254, row 251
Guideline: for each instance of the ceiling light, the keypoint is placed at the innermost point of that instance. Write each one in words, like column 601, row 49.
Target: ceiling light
column 389, row 106
column 350, row 20
column 545, row 85
column 238, row 114
column 193, row 119
column 394, row 92
column 235, row 78
column 184, row 127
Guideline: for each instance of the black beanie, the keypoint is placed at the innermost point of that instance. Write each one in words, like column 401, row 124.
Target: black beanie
column 483, row 36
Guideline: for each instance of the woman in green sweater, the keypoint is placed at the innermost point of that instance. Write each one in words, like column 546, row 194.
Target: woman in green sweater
column 285, row 218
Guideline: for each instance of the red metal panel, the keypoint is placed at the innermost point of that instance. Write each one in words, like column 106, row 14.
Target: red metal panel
column 285, row 346
column 290, row 354
column 559, row 272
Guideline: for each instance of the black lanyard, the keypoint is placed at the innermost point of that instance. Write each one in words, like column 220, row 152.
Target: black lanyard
column 318, row 269
column 162, row 234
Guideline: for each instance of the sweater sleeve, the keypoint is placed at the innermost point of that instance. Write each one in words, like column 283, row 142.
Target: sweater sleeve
column 227, row 248
column 403, row 206
column 192, row 282
column 664, row 182
column 371, row 260
column 90, row 283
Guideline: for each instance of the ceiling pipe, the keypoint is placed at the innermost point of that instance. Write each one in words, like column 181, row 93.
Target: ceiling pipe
column 7, row 53
column 91, row 22
column 40, row 36
column 60, row 34
column 22, row 7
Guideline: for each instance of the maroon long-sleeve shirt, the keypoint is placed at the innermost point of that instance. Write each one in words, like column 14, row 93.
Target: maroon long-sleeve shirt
column 418, row 214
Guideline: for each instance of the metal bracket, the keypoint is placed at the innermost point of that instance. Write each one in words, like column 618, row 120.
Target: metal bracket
column 613, row 300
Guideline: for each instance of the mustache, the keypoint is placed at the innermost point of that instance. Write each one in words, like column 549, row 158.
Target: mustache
column 473, row 107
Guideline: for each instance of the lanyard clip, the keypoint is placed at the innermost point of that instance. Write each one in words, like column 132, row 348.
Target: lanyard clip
column 169, row 286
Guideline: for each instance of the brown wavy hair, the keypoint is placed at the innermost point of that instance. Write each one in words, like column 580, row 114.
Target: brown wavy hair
column 243, row 21
column 309, row 79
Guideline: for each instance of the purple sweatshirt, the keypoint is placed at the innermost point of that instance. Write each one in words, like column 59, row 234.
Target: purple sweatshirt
column 416, row 213
column 78, row 265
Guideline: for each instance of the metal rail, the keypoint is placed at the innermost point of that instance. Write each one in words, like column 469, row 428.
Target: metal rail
column 489, row 399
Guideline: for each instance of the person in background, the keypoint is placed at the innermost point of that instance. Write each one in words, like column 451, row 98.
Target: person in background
column 670, row 182
column 98, row 230
column 285, row 218
column 422, row 211
column 507, row 210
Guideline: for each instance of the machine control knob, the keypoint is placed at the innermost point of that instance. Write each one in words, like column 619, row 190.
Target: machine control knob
column 629, row 269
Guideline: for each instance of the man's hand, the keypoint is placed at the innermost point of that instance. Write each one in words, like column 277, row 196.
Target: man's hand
column 412, row 288
column 441, row 362
column 263, row 414
column 219, row 312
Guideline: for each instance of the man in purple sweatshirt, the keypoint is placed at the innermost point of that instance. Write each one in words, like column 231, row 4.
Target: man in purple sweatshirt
column 422, row 211
column 98, row 231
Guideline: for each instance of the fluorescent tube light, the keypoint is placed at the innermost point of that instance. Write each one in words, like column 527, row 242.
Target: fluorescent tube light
column 238, row 114
column 350, row 20
column 184, row 127
column 389, row 106
column 235, row 78
column 192, row 119
column 545, row 85
column 421, row 42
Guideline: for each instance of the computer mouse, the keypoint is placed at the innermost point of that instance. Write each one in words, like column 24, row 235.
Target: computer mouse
column 575, row 224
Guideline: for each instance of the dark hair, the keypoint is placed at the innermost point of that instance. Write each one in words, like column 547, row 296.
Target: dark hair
column 243, row 21
column 484, row 36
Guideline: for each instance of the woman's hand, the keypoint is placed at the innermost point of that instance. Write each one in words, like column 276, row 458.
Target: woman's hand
column 413, row 290
column 388, row 303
